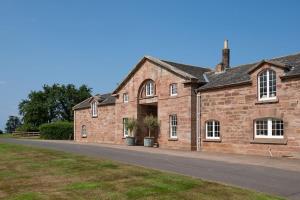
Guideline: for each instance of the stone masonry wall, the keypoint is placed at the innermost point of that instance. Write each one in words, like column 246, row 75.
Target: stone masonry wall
column 99, row 129
column 166, row 105
column 237, row 107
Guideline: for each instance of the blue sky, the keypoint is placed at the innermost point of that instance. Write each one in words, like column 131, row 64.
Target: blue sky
column 98, row 42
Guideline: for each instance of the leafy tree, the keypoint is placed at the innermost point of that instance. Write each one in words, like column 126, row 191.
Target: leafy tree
column 12, row 124
column 151, row 123
column 52, row 104
column 1, row 132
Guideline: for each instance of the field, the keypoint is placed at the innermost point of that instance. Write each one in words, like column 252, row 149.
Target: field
column 31, row 173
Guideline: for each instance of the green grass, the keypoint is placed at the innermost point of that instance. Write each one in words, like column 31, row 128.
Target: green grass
column 8, row 135
column 29, row 173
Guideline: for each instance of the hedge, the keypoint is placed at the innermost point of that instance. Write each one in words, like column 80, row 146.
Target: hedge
column 57, row 131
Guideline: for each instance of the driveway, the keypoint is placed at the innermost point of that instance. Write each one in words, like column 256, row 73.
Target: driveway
column 271, row 180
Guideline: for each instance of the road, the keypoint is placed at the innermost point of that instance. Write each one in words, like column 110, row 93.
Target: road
column 264, row 179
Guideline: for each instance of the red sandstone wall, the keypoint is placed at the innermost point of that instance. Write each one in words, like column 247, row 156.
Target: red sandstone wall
column 237, row 107
column 180, row 105
column 99, row 129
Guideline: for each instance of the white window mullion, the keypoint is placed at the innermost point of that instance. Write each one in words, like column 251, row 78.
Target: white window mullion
column 213, row 129
column 269, row 128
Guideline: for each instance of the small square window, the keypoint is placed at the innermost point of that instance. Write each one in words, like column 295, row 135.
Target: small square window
column 213, row 130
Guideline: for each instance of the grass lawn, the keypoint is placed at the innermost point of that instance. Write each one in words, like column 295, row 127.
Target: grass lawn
column 31, row 173
column 8, row 135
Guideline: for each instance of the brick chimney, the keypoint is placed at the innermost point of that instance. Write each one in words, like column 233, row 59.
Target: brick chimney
column 225, row 64
column 226, row 55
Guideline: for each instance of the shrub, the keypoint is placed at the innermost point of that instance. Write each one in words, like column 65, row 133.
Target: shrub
column 132, row 125
column 28, row 128
column 1, row 132
column 57, row 131
column 151, row 123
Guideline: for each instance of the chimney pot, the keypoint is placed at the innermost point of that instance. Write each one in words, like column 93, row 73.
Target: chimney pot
column 226, row 44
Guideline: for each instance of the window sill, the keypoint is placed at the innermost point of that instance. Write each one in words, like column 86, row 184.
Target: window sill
column 267, row 101
column 173, row 139
column 282, row 141
column 212, row 140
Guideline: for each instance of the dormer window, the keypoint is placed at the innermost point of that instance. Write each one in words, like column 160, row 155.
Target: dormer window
column 173, row 89
column 125, row 98
column 94, row 109
column 149, row 88
column 267, row 85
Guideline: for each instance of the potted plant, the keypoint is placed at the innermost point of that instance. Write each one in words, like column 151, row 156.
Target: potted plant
column 151, row 123
column 132, row 125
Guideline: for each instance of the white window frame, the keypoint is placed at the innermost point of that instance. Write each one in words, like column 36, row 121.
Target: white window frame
column 125, row 128
column 173, row 89
column 125, row 98
column 173, row 123
column 213, row 131
column 94, row 109
column 149, row 89
column 270, row 129
column 268, row 97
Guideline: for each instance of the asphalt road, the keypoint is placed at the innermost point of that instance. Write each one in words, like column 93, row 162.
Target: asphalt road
column 263, row 179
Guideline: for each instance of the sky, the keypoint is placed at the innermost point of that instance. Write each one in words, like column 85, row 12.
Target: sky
column 98, row 42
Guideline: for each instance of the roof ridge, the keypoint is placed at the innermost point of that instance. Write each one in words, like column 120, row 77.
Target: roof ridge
column 294, row 54
column 269, row 59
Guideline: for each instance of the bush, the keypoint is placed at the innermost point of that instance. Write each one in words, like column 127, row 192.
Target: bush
column 28, row 128
column 57, row 131
column 1, row 132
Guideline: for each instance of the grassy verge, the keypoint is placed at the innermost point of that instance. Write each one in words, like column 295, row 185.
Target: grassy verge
column 8, row 135
column 31, row 173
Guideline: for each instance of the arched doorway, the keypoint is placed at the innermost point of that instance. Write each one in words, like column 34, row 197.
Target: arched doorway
column 147, row 105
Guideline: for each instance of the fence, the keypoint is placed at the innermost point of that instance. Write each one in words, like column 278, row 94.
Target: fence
column 26, row 134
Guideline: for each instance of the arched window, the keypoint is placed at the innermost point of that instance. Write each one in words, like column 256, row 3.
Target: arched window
column 267, row 85
column 83, row 131
column 268, row 128
column 213, row 129
column 149, row 88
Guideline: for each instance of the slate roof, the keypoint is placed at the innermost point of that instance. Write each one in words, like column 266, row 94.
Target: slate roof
column 190, row 69
column 240, row 75
column 104, row 99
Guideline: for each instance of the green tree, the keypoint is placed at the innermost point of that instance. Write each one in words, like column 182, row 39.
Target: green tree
column 52, row 103
column 1, row 132
column 12, row 123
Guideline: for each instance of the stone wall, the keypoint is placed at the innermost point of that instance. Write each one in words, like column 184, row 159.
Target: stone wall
column 99, row 129
column 237, row 107
column 166, row 105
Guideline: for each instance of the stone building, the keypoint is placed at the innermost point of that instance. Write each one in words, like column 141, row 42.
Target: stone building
column 248, row 109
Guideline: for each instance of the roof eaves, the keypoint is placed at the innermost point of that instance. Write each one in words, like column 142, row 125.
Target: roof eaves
column 223, row 86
